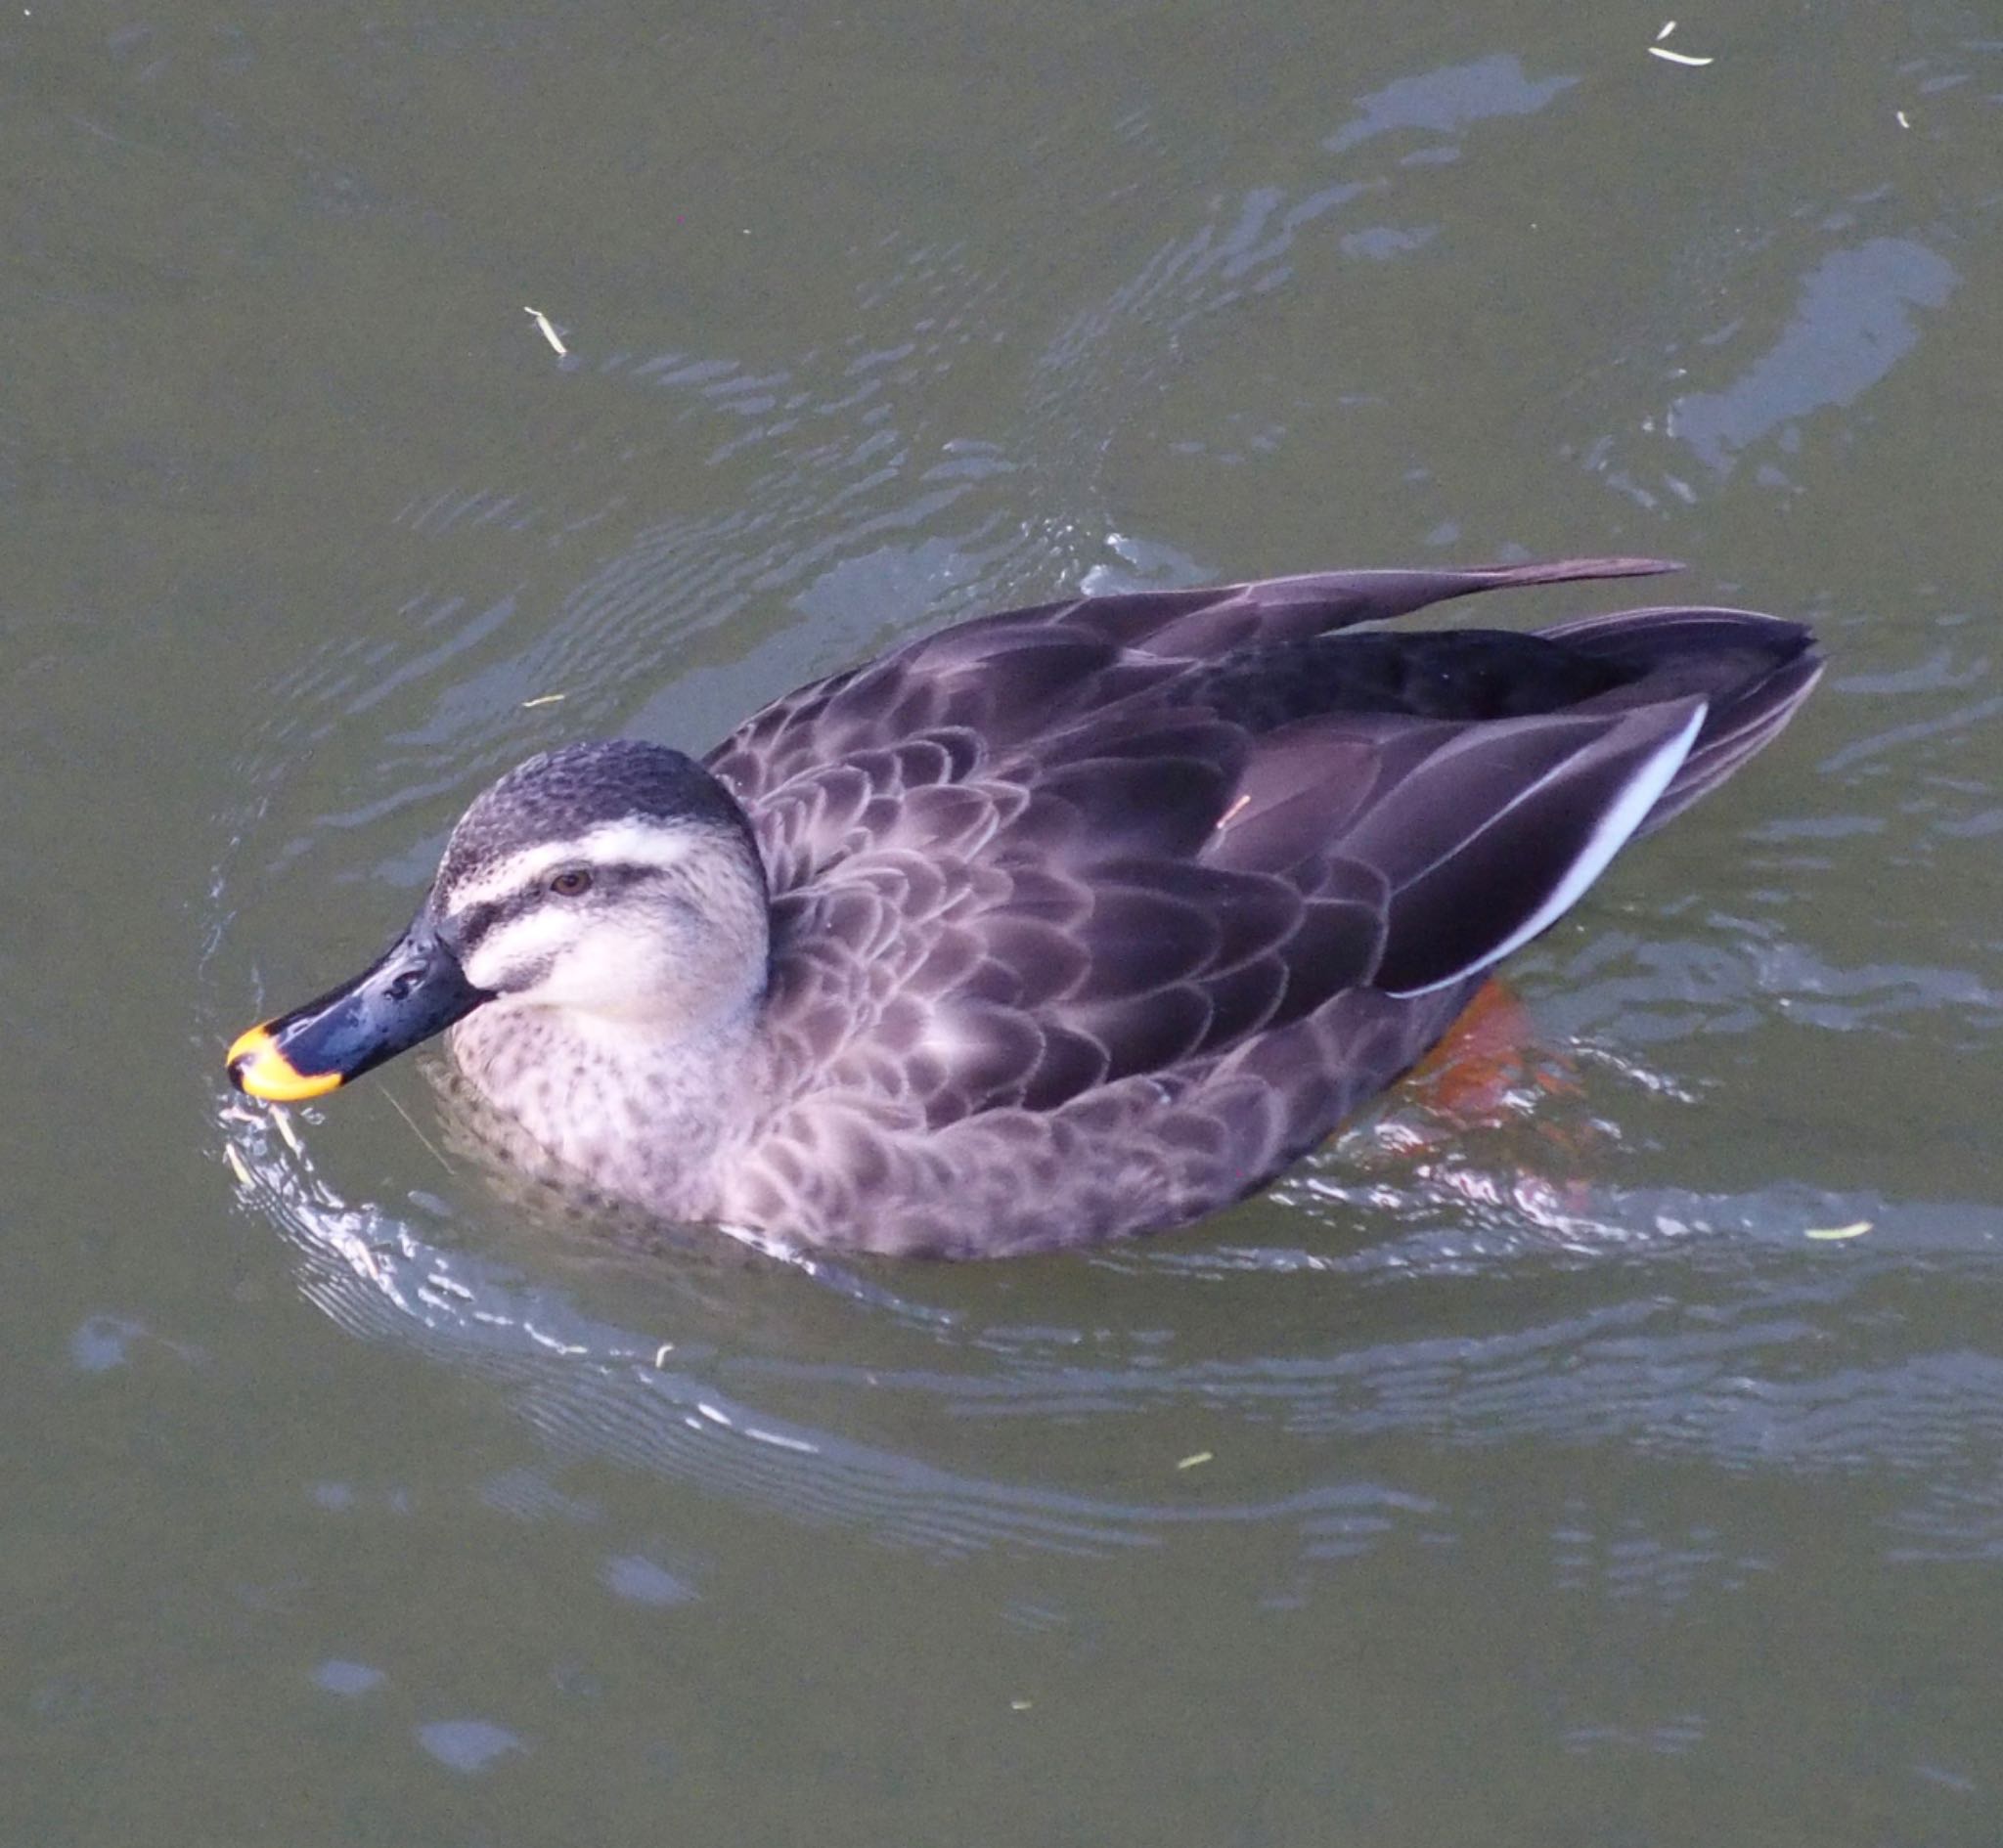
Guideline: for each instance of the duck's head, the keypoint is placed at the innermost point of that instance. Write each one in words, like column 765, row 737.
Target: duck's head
column 616, row 884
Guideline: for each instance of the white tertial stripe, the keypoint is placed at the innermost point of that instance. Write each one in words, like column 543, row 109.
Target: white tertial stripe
column 632, row 842
column 1612, row 833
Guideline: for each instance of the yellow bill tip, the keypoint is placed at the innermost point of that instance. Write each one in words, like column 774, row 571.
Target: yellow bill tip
column 259, row 1067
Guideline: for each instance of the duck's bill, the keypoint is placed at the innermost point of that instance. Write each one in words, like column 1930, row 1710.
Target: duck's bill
column 415, row 991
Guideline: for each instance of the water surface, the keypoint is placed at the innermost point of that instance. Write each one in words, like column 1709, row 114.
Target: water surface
column 1543, row 1479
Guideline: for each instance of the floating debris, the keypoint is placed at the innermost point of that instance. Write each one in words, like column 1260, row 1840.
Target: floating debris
column 543, row 699
column 661, row 1353
column 1202, row 1455
column 284, row 1119
column 1020, row 1706
column 1854, row 1230
column 1669, row 27
column 549, row 332
column 415, row 1131
column 1224, row 819
column 553, row 1342
column 237, row 1166
column 1677, row 57
column 1898, row 116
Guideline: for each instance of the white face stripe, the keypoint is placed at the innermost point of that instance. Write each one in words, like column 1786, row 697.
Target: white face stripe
column 520, row 943
column 629, row 843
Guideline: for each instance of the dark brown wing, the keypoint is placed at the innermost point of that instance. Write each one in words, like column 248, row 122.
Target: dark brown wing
column 1097, row 915
column 1044, row 857
column 1021, row 674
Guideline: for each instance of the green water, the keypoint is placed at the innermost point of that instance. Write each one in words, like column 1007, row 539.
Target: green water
column 1558, row 1488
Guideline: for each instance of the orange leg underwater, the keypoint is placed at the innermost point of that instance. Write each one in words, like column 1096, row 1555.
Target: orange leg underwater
column 1490, row 1053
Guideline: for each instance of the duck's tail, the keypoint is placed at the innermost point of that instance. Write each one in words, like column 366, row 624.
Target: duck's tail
column 1753, row 670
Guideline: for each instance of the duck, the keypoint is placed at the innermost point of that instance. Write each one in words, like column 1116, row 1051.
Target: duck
column 1058, row 925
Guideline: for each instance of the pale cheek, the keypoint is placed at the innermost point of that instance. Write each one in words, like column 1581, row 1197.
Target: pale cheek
column 643, row 968
column 611, row 970
column 582, row 981
column 508, row 960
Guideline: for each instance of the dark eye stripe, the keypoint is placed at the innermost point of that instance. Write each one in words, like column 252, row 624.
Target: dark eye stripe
column 477, row 920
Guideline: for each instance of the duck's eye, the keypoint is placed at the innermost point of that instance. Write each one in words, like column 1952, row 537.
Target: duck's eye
column 572, row 884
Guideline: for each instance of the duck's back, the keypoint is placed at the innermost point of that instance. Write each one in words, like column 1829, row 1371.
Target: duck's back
column 1091, row 918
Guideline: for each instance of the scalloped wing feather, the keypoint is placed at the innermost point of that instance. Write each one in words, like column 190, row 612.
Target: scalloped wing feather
column 1014, row 674
column 1060, row 896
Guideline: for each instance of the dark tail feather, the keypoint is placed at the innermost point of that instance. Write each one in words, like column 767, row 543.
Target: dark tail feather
column 1205, row 624
column 1753, row 670
column 1287, row 610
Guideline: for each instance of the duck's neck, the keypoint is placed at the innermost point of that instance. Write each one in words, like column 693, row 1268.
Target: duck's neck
column 642, row 1116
